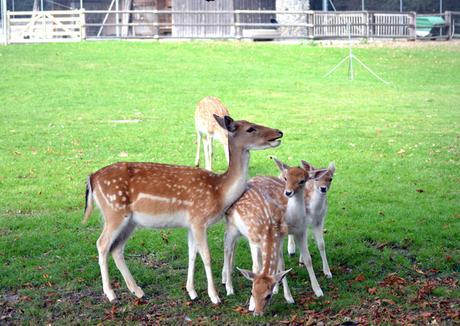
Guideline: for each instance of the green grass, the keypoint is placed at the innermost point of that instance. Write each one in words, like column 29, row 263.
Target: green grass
column 394, row 202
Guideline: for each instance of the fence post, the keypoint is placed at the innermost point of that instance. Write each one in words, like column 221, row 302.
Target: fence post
column 82, row 24
column 238, row 30
column 448, row 17
column 412, row 25
column 367, row 18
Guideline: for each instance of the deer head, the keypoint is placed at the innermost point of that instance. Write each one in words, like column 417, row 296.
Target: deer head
column 294, row 177
column 262, row 288
column 254, row 137
column 321, row 178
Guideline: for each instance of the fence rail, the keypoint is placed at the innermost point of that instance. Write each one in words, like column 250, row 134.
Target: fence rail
column 73, row 25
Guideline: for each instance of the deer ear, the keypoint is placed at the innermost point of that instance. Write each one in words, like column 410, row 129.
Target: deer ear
column 279, row 277
column 279, row 164
column 226, row 122
column 248, row 274
column 307, row 166
column 316, row 174
column 331, row 167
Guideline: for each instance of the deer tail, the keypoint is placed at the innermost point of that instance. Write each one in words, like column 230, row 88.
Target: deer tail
column 88, row 201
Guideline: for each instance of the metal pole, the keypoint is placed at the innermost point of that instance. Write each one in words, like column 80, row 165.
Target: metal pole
column 362, row 5
column 400, row 5
column 440, row 6
column 41, row 4
column 325, row 4
column 81, row 4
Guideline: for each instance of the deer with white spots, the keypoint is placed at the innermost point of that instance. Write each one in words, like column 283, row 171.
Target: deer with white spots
column 316, row 210
column 207, row 129
column 156, row 195
column 260, row 216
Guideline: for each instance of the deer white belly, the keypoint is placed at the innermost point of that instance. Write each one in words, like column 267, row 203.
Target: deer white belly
column 175, row 220
column 242, row 227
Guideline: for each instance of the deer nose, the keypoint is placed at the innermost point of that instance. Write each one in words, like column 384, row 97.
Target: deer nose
column 323, row 189
column 280, row 133
column 288, row 193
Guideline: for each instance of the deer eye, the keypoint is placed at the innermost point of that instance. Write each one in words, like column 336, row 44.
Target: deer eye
column 301, row 182
column 330, row 180
column 285, row 179
column 251, row 129
column 268, row 297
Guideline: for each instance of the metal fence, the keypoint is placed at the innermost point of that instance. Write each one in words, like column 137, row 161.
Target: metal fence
column 72, row 25
column 455, row 24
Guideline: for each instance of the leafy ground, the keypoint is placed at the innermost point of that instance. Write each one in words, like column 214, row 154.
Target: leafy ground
column 393, row 228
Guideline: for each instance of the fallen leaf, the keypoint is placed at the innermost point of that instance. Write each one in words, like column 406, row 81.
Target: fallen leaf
column 360, row 278
column 372, row 291
column 419, row 190
column 123, row 154
column 388, row 301
column 401, row 151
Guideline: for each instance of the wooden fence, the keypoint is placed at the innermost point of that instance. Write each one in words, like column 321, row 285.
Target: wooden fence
column 74, row 25
column 45, row 26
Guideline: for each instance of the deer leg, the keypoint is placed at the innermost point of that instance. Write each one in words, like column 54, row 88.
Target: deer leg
column 256, row 267
column 291, row 245
column 198, row 145
column 227, row 153
column 319, row 237
column 207, row 163
column 103, row 247
column 201, row 241
column 118, row 256
column 192, row 250
column 210, row 152
column 302, row 242
column 231, row 235
column 281, row 268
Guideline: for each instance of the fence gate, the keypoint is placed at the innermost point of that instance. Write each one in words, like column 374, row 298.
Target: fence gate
column 45, row 26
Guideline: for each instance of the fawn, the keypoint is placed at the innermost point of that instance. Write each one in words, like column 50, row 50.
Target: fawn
column 156, row 195
column 316, row 209
column 260, row 216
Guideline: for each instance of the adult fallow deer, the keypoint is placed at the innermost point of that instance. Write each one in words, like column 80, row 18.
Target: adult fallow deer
column 156, row 195
column 207, row 129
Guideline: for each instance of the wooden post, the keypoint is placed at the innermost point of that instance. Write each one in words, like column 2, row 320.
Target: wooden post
column 448, row 17
column 238, row 30
column 82, row 24
column 412, row 25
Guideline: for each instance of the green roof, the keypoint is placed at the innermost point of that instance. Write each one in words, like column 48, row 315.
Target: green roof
column 426, row 23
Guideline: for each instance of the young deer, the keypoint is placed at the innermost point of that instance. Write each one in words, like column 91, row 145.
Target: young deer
column 159, row 195
column 316, row 209
column 259, row 215
column 207, row 129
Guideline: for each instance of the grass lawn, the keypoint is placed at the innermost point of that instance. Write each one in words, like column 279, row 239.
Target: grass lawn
column 393, row 227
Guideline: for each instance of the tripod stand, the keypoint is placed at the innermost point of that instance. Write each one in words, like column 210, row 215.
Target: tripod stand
column 350, row 58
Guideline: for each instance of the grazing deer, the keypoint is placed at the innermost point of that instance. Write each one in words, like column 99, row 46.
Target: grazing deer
column 316, row 209
column 208, row 129
column 260, row 216
column 160, row 195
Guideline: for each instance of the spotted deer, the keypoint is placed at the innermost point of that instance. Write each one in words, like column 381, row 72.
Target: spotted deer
column 260, row 216
column 207, row 129
column 156, row 195
column 316, row 210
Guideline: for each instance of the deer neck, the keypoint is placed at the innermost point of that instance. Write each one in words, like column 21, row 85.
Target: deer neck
column 270, row 252
column 234, row 180
column 295, row 210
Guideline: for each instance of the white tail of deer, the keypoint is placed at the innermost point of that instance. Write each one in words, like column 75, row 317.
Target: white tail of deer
column 207, row 129
column 316, row 210
column 155, row 195
column 259, row 215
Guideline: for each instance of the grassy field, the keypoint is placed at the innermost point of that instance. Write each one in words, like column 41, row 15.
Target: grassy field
column 393, row 228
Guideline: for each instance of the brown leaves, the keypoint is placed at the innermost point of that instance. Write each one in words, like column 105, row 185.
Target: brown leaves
column 426, row 290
